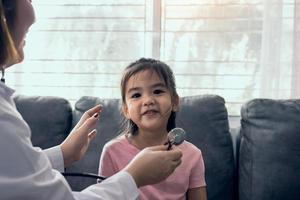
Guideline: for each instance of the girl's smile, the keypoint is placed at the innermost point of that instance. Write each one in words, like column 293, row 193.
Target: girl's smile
column 150, row 112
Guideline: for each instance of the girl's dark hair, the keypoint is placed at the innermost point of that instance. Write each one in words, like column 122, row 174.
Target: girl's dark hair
column 8, row 52
column 164, row 72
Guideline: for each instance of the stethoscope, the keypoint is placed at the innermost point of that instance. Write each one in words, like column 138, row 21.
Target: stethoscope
column 175, row 137
column 86, row 175
column 2, row 77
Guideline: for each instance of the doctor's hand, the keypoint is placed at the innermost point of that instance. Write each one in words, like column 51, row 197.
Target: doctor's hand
column 75, row 145
column 153, row 164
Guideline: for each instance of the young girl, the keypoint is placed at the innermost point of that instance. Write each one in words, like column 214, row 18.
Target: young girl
column 149, row 106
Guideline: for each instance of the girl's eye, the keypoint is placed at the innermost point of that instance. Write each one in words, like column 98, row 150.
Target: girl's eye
column 158, row 91
column 135, row 95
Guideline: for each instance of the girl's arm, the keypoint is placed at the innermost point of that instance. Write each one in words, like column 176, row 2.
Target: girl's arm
column 106, row 165
column 197, row 193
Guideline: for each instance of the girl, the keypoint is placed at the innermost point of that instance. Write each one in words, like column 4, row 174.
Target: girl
column 149, row 106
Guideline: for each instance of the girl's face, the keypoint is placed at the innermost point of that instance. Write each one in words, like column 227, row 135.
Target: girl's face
column 25, row 17
column 148, row 101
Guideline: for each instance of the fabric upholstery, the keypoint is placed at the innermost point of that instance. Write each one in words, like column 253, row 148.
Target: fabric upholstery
column 48, row 117
column 205, row 120
column 269, row 159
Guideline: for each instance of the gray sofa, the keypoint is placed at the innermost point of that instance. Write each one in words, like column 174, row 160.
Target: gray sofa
column 261, row 161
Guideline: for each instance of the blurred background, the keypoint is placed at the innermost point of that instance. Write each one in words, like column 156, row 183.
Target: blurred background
column 238, row 49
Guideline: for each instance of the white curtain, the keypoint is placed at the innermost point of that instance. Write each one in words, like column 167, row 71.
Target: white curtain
column 296, row 52
column 279, row 62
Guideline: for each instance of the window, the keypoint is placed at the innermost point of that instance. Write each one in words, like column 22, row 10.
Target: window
column 238, row 49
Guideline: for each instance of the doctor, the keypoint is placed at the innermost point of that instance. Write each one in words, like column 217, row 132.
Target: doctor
column 27, row 172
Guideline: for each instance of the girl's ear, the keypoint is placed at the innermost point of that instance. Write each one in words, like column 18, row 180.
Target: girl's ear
column 176, row 103
column 125, row 111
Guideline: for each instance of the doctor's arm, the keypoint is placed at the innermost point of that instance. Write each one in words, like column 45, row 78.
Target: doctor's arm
column 31, row 176
column 26, row 173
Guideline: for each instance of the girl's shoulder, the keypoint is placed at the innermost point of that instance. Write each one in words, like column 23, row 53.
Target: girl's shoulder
column 189, row 147
column 191, row 153
column 119, row 143
column 119, row 140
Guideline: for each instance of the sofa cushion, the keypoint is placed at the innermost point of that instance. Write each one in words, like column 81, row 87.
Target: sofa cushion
column 203, row 117
column 269, row 166
column 49, row 118
column 205, row 120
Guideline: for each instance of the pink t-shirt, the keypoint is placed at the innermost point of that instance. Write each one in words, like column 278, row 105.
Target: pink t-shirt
column 119, row 152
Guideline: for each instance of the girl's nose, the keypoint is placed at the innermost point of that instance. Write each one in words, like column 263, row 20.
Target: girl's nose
column 149, row 100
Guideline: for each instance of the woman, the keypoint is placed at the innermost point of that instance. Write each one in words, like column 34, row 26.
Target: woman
column 27, row 172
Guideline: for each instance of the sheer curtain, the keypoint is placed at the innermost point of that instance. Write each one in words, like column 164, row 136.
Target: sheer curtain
column 238, row 49
column 279, row 62
column 296, row 54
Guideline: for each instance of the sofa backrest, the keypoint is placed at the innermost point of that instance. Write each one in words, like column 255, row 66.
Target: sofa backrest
column 269, row 165
column 205, row 120
column 49, row 118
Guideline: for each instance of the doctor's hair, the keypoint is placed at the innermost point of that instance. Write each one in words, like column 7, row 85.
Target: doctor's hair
column 8, row 51
column 164, row 72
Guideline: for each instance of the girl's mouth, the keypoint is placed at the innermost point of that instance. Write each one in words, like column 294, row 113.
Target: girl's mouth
column 150, row 112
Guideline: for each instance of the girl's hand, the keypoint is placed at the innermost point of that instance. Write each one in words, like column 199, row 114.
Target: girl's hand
column 75, row 145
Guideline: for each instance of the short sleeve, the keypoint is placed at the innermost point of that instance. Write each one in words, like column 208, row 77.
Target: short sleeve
column 106, row 165
column 197, row 175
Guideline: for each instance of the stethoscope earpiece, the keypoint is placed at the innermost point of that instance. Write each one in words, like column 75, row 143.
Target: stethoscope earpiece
column 2, row 77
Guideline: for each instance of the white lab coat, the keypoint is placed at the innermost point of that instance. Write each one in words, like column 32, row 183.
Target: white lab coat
column 27, row 172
